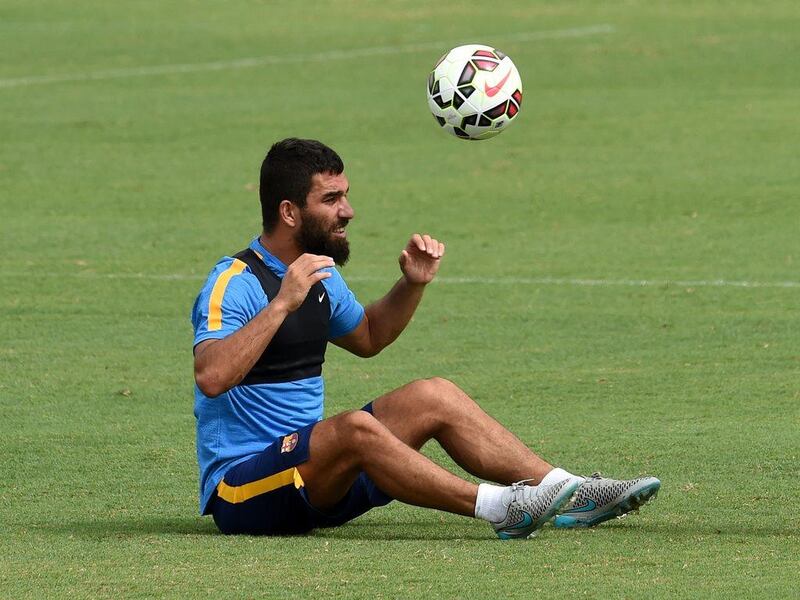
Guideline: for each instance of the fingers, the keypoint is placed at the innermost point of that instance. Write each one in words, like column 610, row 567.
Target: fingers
column 313, row 258
column 428, row 244
column 319, row 276
column 307, row 264
column 425, row 243
column 301, row 275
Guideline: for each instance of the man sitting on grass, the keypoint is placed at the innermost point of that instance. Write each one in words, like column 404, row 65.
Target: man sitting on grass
column 269, row 462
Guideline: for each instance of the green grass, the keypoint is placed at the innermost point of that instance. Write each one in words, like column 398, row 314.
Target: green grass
column 663, row 151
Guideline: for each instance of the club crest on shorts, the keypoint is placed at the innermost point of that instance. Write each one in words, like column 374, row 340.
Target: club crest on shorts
column 289, row 442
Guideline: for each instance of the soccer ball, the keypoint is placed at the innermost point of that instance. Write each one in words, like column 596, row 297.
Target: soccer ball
column 474, row 92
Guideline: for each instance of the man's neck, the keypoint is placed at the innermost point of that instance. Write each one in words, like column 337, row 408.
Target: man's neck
column 283, row 248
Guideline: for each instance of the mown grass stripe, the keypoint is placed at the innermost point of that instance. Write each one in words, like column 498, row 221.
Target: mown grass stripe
column 262, row 61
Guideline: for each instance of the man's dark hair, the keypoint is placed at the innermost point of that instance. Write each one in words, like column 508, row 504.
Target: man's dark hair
column 287, row 171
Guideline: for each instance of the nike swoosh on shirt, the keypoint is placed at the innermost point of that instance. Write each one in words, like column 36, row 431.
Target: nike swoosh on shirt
column 321, row 296
column 491, row 90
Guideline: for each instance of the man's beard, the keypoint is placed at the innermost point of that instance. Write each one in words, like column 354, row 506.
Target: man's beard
column 316, row 237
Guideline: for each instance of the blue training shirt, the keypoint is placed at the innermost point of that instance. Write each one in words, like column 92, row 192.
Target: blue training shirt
column 241, row 422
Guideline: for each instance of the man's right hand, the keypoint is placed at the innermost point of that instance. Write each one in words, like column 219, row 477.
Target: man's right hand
column 300, row 276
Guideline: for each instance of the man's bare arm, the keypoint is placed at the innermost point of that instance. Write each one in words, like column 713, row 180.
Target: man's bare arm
column 385, row 319
column 221, row 364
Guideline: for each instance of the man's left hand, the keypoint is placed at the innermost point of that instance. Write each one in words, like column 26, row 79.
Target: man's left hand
column 420, row 260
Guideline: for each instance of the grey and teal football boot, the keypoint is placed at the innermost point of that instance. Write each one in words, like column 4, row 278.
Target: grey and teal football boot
column 599, row 499
column 531, row 506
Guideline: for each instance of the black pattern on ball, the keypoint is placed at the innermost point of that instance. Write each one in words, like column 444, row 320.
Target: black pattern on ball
column 467, row 74
column 497, row 111
column 466, row 90
column 441, row 103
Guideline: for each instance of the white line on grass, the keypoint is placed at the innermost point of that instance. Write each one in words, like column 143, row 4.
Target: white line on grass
column 622, row 282
column 260, row 61
column 565, row 281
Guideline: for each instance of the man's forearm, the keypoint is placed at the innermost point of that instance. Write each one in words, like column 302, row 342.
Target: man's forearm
column 390, row 315
column 221, row 365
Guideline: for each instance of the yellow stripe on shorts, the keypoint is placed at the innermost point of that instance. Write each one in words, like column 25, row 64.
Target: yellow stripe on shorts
column 218, row 293
column 241, row 493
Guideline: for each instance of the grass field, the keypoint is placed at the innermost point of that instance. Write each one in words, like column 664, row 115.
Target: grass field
column 657, row 144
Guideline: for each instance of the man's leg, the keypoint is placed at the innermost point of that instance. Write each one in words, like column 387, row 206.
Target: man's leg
column 438, row 409
column 343, row 446
column 385, row 447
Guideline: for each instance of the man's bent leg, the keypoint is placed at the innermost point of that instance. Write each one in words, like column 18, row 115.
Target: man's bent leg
column 438, row 409
column 343, row 446
column 355, row 442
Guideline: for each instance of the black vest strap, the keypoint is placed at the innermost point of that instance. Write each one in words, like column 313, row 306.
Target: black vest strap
column 297, row 350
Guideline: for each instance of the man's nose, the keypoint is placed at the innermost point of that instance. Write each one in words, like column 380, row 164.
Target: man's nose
column 346, row 210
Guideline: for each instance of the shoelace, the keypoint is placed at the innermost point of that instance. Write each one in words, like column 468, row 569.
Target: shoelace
column 522, row 483
column 517, row 492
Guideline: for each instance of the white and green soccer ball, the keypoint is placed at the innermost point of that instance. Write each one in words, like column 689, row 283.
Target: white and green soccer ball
column 474, row 92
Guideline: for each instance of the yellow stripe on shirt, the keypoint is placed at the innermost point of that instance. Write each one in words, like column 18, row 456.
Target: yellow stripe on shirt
column 241, row 493
column 217, row 294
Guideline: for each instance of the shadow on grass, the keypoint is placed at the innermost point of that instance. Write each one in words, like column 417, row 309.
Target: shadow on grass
column 410, row 530
column 423, row 530
column 474, row 531
column 142, row 526
column 131, row 527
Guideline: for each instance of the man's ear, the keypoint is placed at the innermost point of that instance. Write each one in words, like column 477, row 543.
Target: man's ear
column 289, row 213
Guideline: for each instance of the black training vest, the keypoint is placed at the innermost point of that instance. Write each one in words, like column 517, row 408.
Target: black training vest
column 297, row 350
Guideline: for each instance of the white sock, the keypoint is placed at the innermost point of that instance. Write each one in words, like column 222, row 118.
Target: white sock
column 555, row 476
column 489, row 504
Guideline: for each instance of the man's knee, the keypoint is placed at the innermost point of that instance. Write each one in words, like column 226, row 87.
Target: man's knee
column 436, row 388
column 360, row 430
column 440, row 394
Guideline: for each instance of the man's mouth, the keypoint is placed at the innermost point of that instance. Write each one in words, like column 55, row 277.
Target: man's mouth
column 340, row 232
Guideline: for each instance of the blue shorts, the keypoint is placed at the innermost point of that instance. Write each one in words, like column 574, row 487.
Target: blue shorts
column 265, row 494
